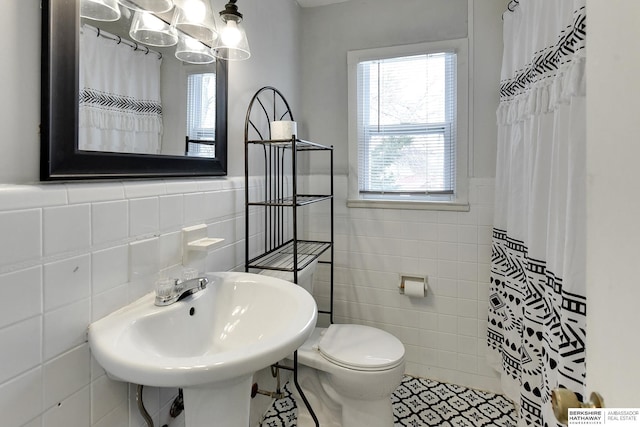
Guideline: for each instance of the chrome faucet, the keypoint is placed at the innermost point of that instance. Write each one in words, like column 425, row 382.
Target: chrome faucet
column 177, row 290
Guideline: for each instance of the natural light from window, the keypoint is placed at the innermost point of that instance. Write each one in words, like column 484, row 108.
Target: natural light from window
column 406, row 143
column 406, row 110
column 201, row 114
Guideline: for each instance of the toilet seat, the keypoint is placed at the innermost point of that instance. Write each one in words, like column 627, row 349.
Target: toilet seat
column 361, row 348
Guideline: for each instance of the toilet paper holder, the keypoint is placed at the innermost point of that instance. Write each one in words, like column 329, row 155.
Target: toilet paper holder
column 412, row 278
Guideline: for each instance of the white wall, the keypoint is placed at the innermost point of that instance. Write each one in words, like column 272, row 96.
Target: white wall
column 173, row 86
column 72, row 253
column 330, row 31
column 613, row 208
column 272, row 29
column 444, row 334
column 46, row 375
column 20, row 89
column 486, row 57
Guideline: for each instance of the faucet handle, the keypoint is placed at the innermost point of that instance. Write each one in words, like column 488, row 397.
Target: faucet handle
column 166, row 288
column 169, row 291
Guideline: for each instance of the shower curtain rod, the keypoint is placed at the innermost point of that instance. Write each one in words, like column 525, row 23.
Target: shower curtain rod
column 118, row 39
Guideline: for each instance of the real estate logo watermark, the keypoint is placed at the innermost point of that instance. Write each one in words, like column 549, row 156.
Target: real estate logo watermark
column 604, row 416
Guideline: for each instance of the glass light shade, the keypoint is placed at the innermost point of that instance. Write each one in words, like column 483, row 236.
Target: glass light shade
column 151, row 30
column 193, row 51
column 155, row 6
column 232, row 43
column 100, row 10
column 195, row 18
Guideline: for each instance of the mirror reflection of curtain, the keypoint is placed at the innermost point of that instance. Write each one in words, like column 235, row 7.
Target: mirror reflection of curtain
column 120, row 108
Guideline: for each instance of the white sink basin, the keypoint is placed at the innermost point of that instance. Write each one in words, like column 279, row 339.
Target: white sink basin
column 210, row 343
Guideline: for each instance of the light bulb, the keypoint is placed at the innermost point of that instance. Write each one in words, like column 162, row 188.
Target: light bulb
column 231, row 35
column 152, row 22
column 151, row 30
column 194, row 10
column 193, row 51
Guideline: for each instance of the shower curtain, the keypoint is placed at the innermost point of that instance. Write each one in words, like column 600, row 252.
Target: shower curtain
column 120, row 108
column 537, row 305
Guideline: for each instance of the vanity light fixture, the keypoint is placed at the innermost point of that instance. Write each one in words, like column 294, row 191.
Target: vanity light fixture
column 149, row 29
column 193, row 51
column 195, row 18
column 154, row 6
column 100, row 10
column 232, row 43
column 192, row 27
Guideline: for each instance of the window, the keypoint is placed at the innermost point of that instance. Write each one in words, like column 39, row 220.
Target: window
column 408, row 125
column 201, row 114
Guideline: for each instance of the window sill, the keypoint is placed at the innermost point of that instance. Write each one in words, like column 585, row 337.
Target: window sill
column 408, row 205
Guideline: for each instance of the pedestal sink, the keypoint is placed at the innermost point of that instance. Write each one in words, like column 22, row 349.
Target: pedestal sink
column 209, row 344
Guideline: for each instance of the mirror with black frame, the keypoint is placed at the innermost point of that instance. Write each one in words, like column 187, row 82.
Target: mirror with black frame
column 163, row 136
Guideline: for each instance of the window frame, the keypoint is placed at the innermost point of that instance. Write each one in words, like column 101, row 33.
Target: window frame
column 457, row 201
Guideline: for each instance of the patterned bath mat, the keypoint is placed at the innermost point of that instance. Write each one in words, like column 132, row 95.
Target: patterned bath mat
column 419, row 402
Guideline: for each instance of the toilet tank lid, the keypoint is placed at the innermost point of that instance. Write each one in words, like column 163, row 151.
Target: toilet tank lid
column 361, row 347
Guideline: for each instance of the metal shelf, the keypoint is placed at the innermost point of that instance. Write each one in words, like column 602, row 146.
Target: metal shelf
column 301, row 200
column 277, row 159
column 282, row 259
column 301, row 144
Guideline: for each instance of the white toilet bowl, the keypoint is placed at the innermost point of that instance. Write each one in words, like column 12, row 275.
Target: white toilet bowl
column 347, row 372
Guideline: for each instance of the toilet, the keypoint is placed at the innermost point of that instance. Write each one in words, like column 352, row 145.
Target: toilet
column 346, row 371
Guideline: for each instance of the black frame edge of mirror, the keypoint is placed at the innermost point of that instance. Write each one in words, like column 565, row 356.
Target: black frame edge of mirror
column 59, row 157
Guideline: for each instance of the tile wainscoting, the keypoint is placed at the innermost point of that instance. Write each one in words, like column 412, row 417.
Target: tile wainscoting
column 444, row 333
column 72, row 253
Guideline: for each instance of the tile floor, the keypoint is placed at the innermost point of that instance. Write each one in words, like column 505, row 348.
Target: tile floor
column 421, row 402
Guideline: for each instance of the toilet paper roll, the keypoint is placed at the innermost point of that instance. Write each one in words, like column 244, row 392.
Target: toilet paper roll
column 415, row 288
column 283, row 129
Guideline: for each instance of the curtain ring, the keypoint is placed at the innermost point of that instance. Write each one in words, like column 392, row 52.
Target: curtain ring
column 119, row 39
column 98, row 35
column 147, row 52
column 135, row 47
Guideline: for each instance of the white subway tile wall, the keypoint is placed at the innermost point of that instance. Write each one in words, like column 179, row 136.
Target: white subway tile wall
column 444, row 333
column 73, row 253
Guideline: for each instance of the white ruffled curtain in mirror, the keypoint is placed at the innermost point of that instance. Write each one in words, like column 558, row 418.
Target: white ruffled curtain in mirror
column 537, row 302
column 120, row 108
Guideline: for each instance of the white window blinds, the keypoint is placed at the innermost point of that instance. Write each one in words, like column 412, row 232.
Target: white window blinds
column 201, row 112
column 406, row 125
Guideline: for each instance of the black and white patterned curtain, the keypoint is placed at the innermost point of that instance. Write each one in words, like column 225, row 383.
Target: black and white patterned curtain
column 537, row 305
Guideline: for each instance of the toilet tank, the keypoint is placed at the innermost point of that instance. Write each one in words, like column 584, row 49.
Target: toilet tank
column 305, row 276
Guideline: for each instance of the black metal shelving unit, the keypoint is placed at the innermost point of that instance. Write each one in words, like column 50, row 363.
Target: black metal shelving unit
column 283, row 249
column 276, row 161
